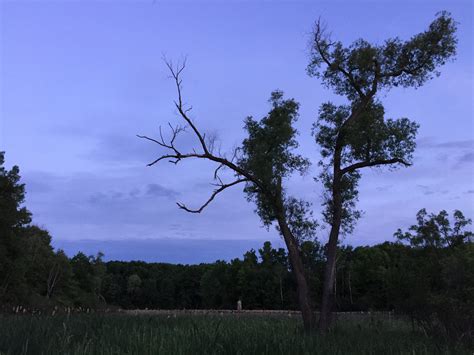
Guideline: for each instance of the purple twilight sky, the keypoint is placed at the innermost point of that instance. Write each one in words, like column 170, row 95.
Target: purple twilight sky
column 79, row 79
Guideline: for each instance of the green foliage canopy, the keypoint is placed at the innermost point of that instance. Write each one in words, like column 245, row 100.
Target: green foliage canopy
column 358, row 135
column 268, row 153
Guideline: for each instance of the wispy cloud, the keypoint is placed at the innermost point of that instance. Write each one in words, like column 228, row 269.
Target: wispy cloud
column 433, row 143
column 156, row 190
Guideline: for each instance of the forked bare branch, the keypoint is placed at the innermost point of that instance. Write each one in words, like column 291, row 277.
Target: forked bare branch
column 214, row 194
column 207, row 145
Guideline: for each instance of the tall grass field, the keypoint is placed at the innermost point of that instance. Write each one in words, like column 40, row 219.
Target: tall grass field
column 227, row 334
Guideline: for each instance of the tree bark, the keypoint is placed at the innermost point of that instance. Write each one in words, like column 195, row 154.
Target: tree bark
column 329, row 270
column 298, row 270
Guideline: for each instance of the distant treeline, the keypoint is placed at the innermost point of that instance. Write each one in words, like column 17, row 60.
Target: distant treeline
column 427, row 273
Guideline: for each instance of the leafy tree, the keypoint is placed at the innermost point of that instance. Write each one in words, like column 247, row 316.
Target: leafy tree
column 435, row 231
column 248, row 280
column 453, row 302
column 150, row 294
column 214, row 286
column 39, row 260
column 60, row 279
column 440, row 275
column 273, row 272
column 31, row 272
column 313, row 260
column 112, row 287
column 88, row 274
column 134, row 283
column 167, row 291
column 189, row 286
column 264, row 161
column 357, row 135
column 369, row 280
column 13, row 217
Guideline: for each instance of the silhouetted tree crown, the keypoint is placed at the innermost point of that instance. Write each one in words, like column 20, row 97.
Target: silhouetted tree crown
column 435, row 230
column 268, row 153
column 352, row 71
column 12, row 196
column 358, row 135
column 370, row 141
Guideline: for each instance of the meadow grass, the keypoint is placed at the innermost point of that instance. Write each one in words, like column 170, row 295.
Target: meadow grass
column 228, row 334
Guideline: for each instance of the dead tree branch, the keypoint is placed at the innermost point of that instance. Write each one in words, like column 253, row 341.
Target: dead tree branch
column 207, row 145
column 214, row 194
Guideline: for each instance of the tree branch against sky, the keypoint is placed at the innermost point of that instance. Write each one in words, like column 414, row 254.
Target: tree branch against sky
column 262, row 163
column 357, row 135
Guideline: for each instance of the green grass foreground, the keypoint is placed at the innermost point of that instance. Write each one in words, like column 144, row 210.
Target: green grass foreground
column 125, row 334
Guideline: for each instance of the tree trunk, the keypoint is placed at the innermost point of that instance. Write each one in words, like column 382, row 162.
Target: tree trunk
column 329, row 270
column 327, row 297
column 298, row 270
column 281, row 291
column 52, row 280
column 350, row 287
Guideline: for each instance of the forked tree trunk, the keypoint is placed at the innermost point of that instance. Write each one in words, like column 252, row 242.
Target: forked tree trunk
column 298, row 270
